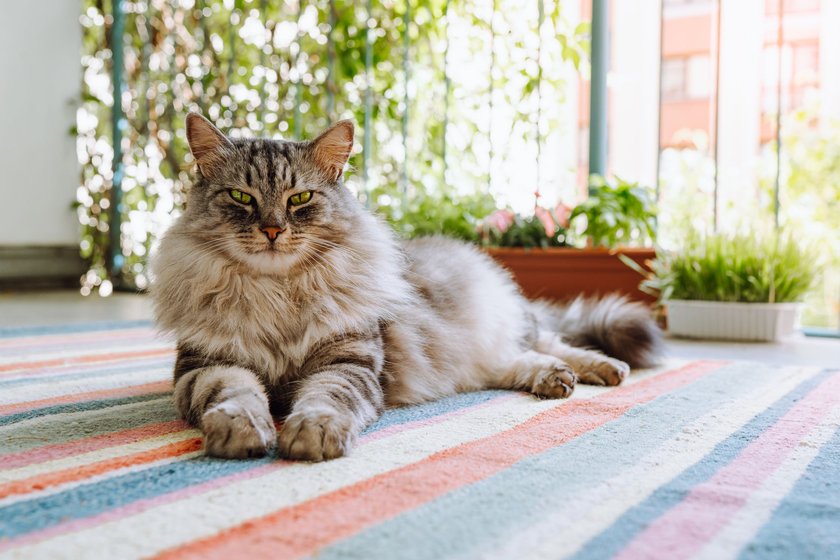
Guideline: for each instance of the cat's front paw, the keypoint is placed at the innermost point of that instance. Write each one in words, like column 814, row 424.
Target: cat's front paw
column 231, row 431
column 604, row 371
column 315, row 437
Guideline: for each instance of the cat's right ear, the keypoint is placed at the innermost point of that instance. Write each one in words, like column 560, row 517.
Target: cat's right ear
column 207, row 143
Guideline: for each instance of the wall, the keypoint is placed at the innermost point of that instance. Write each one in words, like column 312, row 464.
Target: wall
column 39, row 85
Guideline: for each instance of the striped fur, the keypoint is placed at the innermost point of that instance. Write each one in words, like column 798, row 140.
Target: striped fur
column 332, row 319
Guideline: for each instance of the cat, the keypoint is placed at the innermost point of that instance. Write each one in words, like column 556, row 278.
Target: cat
column 289, row 299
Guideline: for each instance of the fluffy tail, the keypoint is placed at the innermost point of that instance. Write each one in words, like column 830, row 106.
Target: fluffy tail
column 612, row 324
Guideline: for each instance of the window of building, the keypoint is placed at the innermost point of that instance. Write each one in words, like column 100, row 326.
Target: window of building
column 673, row 79
column 686, row 78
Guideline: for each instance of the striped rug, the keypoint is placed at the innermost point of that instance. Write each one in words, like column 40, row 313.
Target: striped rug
column 705, row 459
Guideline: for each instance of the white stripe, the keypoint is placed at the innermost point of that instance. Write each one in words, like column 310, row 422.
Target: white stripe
column 37, row 391
column 35, row 352
column 762, row 503
column 206, row 514
column 565, row 531
column 76, row 338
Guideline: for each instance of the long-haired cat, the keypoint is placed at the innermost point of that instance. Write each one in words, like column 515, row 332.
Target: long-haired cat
column 289, row 299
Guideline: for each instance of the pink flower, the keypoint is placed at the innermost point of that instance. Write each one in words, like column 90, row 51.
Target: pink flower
column 562, row 213
column 547, row 220
column 500, row 220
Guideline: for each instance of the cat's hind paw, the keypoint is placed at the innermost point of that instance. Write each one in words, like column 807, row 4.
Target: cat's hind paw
column 604, row 371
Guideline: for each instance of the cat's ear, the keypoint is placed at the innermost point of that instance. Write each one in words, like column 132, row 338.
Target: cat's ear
column 207, row 144
column 332, row 148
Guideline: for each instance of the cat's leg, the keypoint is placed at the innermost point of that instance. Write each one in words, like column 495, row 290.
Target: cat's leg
column 229, row 405
column 338, row 396
column 591, row 366
column 541, row 374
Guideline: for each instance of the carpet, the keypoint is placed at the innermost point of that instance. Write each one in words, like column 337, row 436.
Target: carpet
column 703, row 459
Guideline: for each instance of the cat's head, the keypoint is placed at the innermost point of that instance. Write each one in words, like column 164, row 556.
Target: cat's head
column 269, row 204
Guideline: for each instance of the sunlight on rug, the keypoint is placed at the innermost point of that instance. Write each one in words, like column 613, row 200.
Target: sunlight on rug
column 704, row 459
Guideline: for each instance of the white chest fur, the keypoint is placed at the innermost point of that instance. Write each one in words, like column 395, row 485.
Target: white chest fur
column 267, row 323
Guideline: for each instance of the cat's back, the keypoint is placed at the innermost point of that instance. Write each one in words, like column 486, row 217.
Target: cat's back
column 461, row 282
column 453, row 264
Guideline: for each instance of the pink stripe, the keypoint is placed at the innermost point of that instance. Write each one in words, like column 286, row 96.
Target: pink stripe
column 143, row 505
column 710, row 506
column 61, row 450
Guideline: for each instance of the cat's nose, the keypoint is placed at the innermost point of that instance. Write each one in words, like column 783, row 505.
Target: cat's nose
column 272, row 231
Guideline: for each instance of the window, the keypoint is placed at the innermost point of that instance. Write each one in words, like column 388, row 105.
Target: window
column 686, row 78
column 673, row 79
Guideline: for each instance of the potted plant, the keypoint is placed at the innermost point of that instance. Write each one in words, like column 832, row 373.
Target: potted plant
column 578, row 250
column 733, row 287
column 557, row 253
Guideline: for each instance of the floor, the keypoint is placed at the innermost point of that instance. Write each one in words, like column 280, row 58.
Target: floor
column 63, row 307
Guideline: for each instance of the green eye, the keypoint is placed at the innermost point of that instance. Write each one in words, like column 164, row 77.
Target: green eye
column 240, row 196
column 300, row 198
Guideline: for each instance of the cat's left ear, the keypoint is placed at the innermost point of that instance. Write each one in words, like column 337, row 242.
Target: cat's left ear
column 207, row 143
column 332, row 148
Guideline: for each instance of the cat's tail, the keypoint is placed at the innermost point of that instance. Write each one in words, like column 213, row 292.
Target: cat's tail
column 613, row 324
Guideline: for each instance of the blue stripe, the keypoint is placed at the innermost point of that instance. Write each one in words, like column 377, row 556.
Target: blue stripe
column 477, row 518
column 97, row 497
column 97, row 404
column 638, row 518
column 12, row 332
column 101, row 371
column 807, row 522
column 430, row 410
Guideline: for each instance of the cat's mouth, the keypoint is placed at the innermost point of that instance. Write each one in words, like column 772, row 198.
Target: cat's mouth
column 273, row 249
column 271, row 259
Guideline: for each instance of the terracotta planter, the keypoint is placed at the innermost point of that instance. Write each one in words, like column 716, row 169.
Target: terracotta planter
column 564, row 273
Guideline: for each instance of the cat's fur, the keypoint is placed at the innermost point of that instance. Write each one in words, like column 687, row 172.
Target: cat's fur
column 336, row 320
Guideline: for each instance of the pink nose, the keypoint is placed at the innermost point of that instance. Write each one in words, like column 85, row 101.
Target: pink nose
column 272, row 231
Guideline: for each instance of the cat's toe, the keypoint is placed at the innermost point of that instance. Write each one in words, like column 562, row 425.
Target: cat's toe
column 315, row 437
column 606, row 371
column 556, row 382
column 231, row 431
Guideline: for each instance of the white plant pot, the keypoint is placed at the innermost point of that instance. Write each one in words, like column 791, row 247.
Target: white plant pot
column 723, row 320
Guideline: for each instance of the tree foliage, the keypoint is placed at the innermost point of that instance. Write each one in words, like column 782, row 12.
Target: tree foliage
column 285, row 69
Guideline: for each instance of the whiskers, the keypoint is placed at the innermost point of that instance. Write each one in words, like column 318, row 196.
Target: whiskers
column 202, row 247
column 315, row 255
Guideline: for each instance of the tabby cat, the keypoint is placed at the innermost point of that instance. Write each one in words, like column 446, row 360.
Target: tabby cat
column 289, row 299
